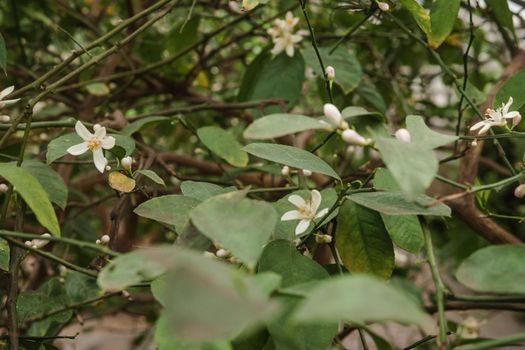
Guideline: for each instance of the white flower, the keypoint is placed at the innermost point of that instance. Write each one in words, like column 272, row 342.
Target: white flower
column 403, row 135
column 496, row 117
column 93, row 142
column 283, row 36
column 330, row 72
column 306, row 211
column 126, row 162
column 332, row 113
column 352, row 137
column 4, row 93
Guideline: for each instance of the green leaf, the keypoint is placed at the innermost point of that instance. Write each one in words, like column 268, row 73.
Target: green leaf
column 129, row 269
column 248, row 5
column 420, row 14
column 397, row 203
column 370, row 94
column 141, row 123
column 495, row 269
column 52, row 183
column 277, row 125
column 442, row 18
column 241, row 226
column 33, row 194
column 203, row 190
column 4, row 255
column 341, row 298
column 513, row 87
column 150, row 174
column 280, row 77
column 348, row 71
column 183, row 35
column 3, row 54
column 363, row 242
column 423, row 136
column 98, row 89
column 170, row 209
column 291, row 156
column 412, row 166
column 125, row 142
column 80, row 287
column 405, row 230
column 196, row 289
column 503, row 14
column 368, row 124
column 281, row 256
column 286, row 229
column 223, row 144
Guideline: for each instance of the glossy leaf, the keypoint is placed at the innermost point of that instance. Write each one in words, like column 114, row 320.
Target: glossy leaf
column 291, row 156
column 33, row 194
column 277, row 125
column 363, row 242
column 442, row 18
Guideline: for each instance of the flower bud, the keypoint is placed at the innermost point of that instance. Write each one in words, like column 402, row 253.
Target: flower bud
column 383, row 6
column 222, row 253
column 516, row 120
column 105, row 239
column 307, row 172
column 403, row 135
column 285, row 171
column 330, row 73
column 351, row 137
column 126, row 162
column 96, row 127
column 3, row 188
column 474, row 143
column 39, row 243
column 323, row 239
column 108, row 168
column 332, row 113
column 520, row 191
column 98, row 241
column 5, row 118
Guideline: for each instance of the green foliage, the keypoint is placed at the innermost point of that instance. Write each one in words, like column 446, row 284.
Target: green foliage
column 3, row 54
column 223, row 144
column 277, row 125
column 442, row 18
column 170, row 209
column 397, row 203
column 496, row 269
column 425, row 137
column 203, row 190
column 150, row 174
column 511, row 88
column 52, row 183
column 291, row 156
column 33, row 194
column 363, row 242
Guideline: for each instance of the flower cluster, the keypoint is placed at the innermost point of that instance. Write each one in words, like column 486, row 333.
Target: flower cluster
column 348, row 135
column 93, row 142
column 497, row 117
column 283, row 36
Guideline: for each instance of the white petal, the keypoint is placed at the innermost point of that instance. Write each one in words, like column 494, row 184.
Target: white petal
column 478, row 125
column 108, row 142
column 78, row 149
column 296, row 200
column 100, row 132
column 302, row 226
column 507, row 106
column 82, row 131
column 6, row 91
column 485, row 129
column 8, row 102
column 315, row 201
column 99, row 160
column 291, row 215
column 322, row 213
column 290, row 50
column 511, row 115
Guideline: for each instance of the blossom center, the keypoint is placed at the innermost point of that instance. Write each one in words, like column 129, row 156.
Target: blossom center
column 94, row 144
column 305, row 211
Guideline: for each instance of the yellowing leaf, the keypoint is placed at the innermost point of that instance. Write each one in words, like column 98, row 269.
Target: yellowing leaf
column 248, row 5
column 98, row 89
column 121, row 182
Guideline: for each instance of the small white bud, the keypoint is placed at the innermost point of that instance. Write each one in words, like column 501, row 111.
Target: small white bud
column 307, row 172
column 222, row 253
column 108, row 168
column 403, row 135
column 4, row 188
column 344, row 125
column 351, row 137
column 383, row 6
column 285, row 171
column 43, row 136
column 333, row 114
column 520, row 191
column 98, row 241
column 330, row 73
column 105, row 239
column 39, row 243
column 96, row 127
column 208, row 254
column 5, row 118
column 126, row 162
column 516, row 120
column 28, row 243
column 474, row 143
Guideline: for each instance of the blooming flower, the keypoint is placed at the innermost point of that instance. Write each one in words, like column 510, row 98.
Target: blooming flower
column 497, row 117
column 93, row 142
column 283, row 36
column 306, row 211
column 4, row 93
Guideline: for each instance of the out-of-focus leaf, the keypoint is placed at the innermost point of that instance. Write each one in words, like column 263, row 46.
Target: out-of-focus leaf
column 98, row 89
column 442, row 18
column 503, row 14
column 3, row 54
column 277, row 125
column 4, row 255
column 203, row 190
column 141, row 123
column 223, row 144
column 80, row 287
column 513, row 87
column 420, row 14
column 423, row 136
column 170, row 209
column 52, row 183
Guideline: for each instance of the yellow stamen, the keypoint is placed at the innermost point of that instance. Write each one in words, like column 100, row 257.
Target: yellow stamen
column 94, row 144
